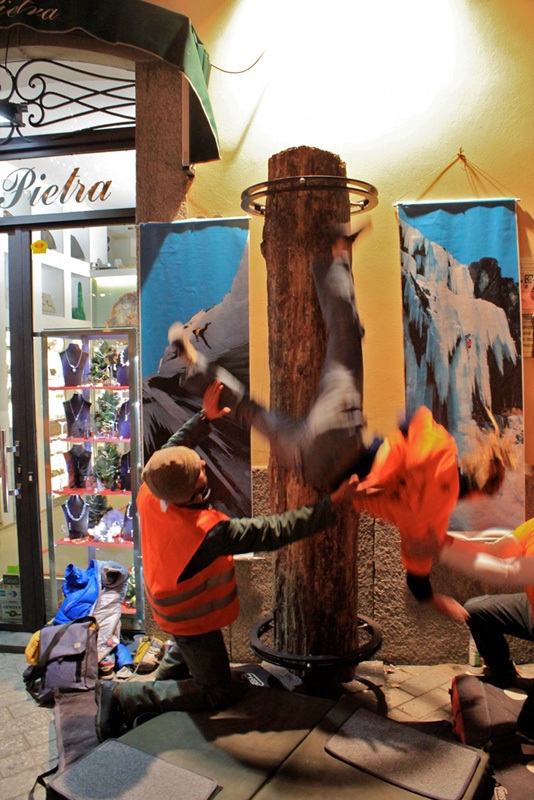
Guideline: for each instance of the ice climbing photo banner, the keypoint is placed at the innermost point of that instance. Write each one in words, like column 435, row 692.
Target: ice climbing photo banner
column 462, row 333
column 196, row 272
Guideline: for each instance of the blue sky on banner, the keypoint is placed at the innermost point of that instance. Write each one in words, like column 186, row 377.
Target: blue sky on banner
column 469, row 230
column 185, row 266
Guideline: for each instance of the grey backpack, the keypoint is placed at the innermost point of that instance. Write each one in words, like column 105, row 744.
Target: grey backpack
column 68, row 660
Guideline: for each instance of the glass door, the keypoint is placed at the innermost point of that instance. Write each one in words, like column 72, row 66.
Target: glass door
column 10, row 588
column 22, row 604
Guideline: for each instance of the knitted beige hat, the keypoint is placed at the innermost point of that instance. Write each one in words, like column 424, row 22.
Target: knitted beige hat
column 172, row 474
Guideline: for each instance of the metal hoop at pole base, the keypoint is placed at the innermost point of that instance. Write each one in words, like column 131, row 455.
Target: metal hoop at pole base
column 253, row 198
column 312, row 663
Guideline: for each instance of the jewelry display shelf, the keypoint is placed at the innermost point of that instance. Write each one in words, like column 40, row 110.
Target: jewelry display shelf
column 92, row 543
column 92, row 433
column 89, row 439
column 102, row 387
column 92, row 492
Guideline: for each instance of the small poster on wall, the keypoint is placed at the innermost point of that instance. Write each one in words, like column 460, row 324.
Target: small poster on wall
column 462, row 333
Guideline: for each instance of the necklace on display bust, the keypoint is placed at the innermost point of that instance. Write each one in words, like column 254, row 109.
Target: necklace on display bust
column 73, row 348
column 82, row 404
column 69, row 513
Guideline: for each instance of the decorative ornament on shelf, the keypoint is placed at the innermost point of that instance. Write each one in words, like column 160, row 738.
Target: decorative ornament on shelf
column 78, row 311
column 110, row 527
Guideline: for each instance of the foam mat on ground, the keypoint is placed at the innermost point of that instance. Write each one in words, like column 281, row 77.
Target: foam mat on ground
column 118, row 771
column 404, row 756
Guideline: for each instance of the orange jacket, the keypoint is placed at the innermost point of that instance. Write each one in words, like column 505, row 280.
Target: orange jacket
column 525, row 536
column 418, row 473
column 169, row 539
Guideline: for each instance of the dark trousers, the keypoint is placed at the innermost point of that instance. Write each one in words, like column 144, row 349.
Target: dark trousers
column 209, row 685
column 492, row 618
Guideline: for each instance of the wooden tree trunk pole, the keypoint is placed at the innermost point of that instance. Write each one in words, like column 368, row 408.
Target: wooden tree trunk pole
column 316, row 592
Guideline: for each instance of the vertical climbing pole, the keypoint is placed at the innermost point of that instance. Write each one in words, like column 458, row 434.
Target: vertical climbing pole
column 316, row 591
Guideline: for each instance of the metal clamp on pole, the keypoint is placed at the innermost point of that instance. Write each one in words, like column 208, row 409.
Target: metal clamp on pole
column 254, row 198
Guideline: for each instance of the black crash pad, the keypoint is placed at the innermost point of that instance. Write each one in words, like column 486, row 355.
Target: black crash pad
column 271, row 746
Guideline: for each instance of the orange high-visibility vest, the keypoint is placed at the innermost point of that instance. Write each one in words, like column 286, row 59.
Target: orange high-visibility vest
column 525, row 536
column 418, row 472
column 169, row 539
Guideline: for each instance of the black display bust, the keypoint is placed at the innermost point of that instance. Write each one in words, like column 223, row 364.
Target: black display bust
column 78, row 461
column 74, row 362
column 123, row 420
column 76, row 513
column 123, row 368
column 78, row 415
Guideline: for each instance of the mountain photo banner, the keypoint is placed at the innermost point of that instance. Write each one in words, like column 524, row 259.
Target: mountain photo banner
column 462, row 334
column 196, row 272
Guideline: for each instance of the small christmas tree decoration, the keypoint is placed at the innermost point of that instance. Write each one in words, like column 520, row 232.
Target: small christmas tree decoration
column 98, row 505
column 106, row 465
column 103, row 363
column 106, row 411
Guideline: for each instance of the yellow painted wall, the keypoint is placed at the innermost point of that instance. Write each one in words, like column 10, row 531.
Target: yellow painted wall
column 396, row 88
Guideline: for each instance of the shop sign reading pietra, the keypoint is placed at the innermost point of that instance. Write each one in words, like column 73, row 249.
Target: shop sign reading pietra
column 26, row 8
column 81, row 182
column 23, row 182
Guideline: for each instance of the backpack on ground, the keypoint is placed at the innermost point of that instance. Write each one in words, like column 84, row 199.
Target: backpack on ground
column 67, row 660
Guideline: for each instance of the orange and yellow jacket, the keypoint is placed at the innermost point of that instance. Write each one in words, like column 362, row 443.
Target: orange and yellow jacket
column 170, row 536
column 415, row 475
column 525, row 536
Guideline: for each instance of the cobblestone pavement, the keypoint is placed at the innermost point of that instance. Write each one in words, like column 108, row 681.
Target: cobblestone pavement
column 28, row 739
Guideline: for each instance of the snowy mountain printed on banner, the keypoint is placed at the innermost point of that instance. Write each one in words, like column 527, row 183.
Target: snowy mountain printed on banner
column 224, row 326
column 462, row 355
column 221, row 333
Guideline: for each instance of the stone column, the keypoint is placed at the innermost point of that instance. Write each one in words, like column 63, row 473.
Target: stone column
column 161, row 183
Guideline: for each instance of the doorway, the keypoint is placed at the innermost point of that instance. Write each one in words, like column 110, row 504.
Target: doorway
column 59, row 272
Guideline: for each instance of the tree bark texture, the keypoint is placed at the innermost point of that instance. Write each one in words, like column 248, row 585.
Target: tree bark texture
column 315, row 603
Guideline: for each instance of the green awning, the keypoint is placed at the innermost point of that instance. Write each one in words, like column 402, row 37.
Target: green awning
column 140, row 25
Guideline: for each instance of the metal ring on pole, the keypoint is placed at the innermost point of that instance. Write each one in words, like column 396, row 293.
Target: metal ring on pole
column 309, row 662
column 253, row 199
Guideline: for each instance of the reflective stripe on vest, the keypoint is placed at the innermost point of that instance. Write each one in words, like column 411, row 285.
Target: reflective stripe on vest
column 208, row 601
column 169, row 539
column 195, row 612
column 183, row 596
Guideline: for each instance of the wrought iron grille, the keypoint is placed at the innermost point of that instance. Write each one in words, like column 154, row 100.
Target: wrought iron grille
column 58, row 97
